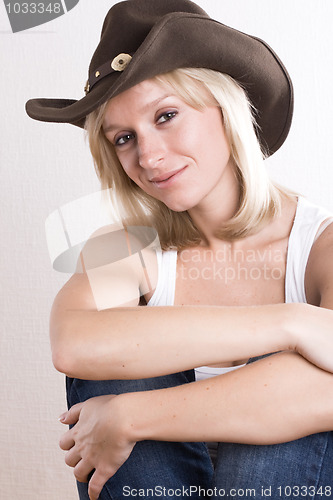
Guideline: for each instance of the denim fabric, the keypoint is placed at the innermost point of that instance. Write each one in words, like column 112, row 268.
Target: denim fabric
column 299, row 469
column 152, row 464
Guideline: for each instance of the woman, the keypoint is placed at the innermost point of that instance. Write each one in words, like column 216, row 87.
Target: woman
column 171, row 131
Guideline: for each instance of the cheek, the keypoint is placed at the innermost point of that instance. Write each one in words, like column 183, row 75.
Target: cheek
column 126, row 169
column 206, row 137
column 217, row 146
column 128, row 165
column 190, row 137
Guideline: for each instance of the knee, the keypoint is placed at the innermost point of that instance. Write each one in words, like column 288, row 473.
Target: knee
column 80, row 390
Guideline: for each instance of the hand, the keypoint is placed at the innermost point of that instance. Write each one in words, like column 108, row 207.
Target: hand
column 314, row 334
column 97, row 442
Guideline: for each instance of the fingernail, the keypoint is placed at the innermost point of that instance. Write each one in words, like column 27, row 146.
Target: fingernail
column 62, row 417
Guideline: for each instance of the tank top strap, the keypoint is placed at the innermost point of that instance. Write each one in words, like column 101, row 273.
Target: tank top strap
column 307, row 222
column 310, row 221
column 164, row 294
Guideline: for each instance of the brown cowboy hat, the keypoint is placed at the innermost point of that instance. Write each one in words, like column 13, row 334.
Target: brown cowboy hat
column 143, row 38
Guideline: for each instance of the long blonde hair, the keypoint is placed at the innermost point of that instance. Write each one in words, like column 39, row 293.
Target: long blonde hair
column 260, row 198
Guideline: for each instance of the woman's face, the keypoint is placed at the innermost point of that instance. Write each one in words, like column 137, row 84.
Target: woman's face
column 174, row 152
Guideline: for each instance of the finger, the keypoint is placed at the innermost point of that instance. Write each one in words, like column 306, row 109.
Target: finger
column 73, row 457
column 83, row 470
column 97, row 482
column 71, row 416
column 67, row 441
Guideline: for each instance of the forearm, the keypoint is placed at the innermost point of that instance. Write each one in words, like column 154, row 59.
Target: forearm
column 277, row 399
column 141, row 342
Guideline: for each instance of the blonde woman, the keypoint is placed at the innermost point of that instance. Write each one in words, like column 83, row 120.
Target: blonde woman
column 181, row 111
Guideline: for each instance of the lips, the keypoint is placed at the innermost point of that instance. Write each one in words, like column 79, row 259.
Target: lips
column 166, row 176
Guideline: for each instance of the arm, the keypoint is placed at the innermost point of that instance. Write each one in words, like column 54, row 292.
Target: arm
column 319, row 273
column 319, row 291
column 122, row 342
column 285, row 387
column 262, row 403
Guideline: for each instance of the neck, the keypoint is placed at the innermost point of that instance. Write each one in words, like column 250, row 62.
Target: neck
column 216, row 209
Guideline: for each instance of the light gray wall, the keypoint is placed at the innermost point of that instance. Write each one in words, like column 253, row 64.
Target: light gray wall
column 44, row 166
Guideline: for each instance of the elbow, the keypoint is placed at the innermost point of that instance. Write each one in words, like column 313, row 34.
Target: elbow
column 61, row 340
column 78, row 354
column 64, row 353
column 78, row 358
column 66, row 360
column 66, row 346
column 63, row 359
column 69, row 360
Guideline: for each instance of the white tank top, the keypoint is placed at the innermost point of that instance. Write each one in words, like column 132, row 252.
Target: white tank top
column 305, row 231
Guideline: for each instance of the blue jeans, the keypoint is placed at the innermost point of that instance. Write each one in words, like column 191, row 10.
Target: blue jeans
column 299, row 469
column 161, row 467
column 295, row 470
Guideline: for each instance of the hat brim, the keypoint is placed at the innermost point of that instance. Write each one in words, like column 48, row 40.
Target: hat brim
column 196, row 41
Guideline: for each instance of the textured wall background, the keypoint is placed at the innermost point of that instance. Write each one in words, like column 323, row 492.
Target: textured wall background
column 45, row 166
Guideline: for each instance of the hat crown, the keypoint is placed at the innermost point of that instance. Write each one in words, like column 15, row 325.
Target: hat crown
column 128, row 23
column 144, row 38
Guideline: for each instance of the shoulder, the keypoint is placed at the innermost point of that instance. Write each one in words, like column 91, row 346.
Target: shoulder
column 110, row 271
column 319, row 273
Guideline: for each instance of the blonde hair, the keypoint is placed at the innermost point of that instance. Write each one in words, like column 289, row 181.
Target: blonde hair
column 260, row 198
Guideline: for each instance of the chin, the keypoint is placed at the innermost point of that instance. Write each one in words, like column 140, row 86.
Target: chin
column 179, row 207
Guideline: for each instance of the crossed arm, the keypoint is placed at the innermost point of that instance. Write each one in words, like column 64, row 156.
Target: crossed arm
column 262, row 403
column 285, row 387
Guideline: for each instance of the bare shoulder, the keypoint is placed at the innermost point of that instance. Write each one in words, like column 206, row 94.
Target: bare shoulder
column 319, row 271
column 75, row 294
column 109, row 273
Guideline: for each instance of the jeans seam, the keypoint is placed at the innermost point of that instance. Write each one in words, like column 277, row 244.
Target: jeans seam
column 322, row 461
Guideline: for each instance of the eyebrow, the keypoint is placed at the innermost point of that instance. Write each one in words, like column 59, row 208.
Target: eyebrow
column 114, row 126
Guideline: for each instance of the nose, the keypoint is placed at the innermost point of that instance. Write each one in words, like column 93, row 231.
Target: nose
column 151, row 151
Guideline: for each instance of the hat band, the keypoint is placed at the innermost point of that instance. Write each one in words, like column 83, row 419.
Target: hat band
column 118, row 63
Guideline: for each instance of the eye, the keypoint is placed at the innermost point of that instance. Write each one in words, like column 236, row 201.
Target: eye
column 165, row 117
column 123, row 139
